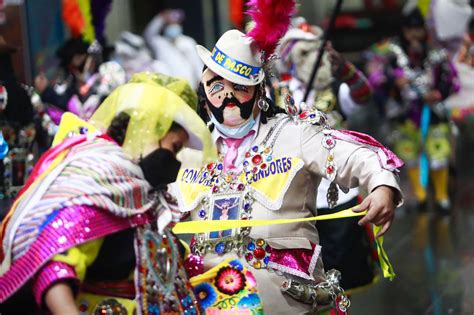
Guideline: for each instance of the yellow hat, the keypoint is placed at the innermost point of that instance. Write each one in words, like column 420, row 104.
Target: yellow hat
column 178, row 86
column 152, row 109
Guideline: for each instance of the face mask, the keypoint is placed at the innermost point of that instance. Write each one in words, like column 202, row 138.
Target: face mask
column 246, row 108
column 238, row 132
column 160, row 167
column 173, row 31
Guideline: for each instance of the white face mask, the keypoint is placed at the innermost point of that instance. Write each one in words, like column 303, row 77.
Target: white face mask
column 238, row 132
column 173, row 31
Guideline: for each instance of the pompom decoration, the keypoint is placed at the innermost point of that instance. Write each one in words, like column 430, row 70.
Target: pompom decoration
column 73, row 18
column 88, row 33
column 194, row 265
column 86, row 18
column 272, row 20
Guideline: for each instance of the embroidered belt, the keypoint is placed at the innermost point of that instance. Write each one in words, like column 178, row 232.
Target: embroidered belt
column 260, row 254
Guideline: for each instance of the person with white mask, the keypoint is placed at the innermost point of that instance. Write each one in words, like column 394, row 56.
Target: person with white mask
column 271, row 163
column 164, row 35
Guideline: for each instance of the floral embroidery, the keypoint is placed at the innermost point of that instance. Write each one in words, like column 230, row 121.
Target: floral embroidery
column 206, row 294
column 230, row 281
column 228, row 288
column 249, row 301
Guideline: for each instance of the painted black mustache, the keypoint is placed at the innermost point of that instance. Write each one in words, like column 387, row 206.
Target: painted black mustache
column 245, row 108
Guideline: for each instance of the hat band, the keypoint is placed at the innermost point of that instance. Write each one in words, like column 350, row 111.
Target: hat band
column 235, row 66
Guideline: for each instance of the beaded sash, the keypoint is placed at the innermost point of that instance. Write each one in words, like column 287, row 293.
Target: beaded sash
column 163, row 286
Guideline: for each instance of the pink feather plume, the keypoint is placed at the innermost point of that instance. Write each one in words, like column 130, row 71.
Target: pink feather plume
column 272, row 19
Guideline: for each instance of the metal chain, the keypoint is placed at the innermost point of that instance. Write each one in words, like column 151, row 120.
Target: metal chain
column 279, row 123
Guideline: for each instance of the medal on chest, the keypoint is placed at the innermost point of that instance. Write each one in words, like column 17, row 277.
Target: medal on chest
column 229, row 199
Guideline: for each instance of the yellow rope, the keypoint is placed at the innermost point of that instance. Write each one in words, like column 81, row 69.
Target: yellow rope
column 193, row 227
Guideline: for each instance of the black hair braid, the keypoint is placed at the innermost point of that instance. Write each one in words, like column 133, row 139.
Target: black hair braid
column 118, row 128
column 273, row 109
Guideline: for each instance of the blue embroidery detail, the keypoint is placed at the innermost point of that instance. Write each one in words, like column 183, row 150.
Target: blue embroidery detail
column 240, row 68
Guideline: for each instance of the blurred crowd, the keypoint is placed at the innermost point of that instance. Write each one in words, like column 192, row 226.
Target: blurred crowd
column 430, row 63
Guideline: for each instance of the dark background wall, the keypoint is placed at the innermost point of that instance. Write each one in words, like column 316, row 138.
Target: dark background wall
column 14, row 31
column 46, row 33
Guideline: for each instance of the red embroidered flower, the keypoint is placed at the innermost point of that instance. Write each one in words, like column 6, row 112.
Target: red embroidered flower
column 230, row 281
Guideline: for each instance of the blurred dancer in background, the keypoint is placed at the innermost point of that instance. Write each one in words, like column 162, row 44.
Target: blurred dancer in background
column 461, row 104
column 16, row 122
column 339, row 87
column 16, row 106
column 412, row 78
column 133, row 55
column 84, row 82
column 164, row 35
column 84, row 78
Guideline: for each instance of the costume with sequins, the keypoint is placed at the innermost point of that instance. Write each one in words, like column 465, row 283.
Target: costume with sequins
column 81, row 195
column 276, row 180
column 271, row 163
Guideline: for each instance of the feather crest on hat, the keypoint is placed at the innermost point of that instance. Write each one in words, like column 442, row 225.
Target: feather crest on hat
column 272, row 19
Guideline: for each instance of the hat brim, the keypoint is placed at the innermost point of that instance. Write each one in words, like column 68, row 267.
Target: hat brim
column 206, row 57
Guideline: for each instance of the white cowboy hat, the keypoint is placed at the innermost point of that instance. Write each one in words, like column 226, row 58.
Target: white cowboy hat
column 235, row 58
